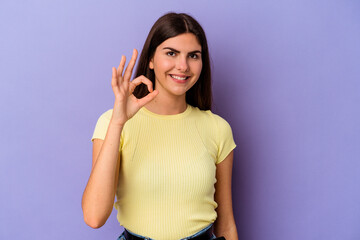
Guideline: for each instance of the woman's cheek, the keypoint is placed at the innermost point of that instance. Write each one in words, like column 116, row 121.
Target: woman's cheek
column 200, row 68
column 167, row 64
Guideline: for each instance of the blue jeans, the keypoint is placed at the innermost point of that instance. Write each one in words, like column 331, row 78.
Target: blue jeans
column 122, row 237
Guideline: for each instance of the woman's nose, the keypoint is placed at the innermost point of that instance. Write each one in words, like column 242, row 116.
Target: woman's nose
column 182, row 64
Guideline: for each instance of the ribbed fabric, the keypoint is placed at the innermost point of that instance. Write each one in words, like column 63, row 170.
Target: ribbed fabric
column 167, row 171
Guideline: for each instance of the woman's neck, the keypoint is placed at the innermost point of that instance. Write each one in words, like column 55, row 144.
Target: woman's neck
column 167, row 105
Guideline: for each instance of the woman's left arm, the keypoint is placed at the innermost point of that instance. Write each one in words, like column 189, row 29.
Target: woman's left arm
column 225, row 222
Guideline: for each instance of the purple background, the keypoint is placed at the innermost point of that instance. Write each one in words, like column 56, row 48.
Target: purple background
column 286, row 77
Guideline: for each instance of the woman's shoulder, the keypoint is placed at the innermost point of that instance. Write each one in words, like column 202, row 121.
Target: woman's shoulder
column 215, row 131
column 209, row 116
column 102, row 125
column 106, row 115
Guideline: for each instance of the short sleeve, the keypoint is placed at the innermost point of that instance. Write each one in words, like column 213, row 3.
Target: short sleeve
column 102, row 125
column 225, row 139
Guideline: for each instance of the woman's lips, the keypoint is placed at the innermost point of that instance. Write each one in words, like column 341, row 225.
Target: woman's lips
column 179, row 78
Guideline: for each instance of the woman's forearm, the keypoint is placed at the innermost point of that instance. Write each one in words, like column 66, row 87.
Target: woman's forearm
column 229, row 231
column 99, row 194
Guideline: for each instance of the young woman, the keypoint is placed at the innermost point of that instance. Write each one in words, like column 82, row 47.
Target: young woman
column 161, row 151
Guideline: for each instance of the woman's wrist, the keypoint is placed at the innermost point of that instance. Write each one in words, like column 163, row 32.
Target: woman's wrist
column 116, row 124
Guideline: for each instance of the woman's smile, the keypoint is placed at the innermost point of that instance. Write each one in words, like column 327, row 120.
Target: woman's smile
column 179, row 78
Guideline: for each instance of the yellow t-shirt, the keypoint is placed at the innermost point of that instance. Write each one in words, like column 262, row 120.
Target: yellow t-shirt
column 167, row 170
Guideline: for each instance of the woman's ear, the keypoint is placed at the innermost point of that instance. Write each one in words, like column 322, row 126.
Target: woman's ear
column 151, row 64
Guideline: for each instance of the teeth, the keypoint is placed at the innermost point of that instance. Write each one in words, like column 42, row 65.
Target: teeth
column 178, row 78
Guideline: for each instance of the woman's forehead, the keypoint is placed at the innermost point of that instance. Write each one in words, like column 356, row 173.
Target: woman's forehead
column 187, row 42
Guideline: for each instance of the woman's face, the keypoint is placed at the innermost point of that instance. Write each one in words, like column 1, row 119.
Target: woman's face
column 177, row 64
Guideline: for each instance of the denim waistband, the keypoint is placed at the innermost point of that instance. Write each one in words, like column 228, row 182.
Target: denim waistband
column 122, row 237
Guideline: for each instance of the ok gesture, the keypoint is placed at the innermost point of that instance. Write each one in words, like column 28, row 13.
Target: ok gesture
column 126, row 104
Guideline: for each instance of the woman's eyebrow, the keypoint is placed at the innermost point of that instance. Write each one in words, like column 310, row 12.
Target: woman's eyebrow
column 177, row 51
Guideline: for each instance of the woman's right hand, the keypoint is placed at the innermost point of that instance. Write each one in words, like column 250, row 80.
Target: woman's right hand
column 126, row 104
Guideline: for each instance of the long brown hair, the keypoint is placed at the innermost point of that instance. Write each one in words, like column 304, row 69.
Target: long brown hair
column 168, row 26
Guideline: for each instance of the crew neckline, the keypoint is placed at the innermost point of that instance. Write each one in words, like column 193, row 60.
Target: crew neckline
column 188, row 109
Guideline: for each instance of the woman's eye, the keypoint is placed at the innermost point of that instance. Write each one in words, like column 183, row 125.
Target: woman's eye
column 171, row 54
column 194, row 56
